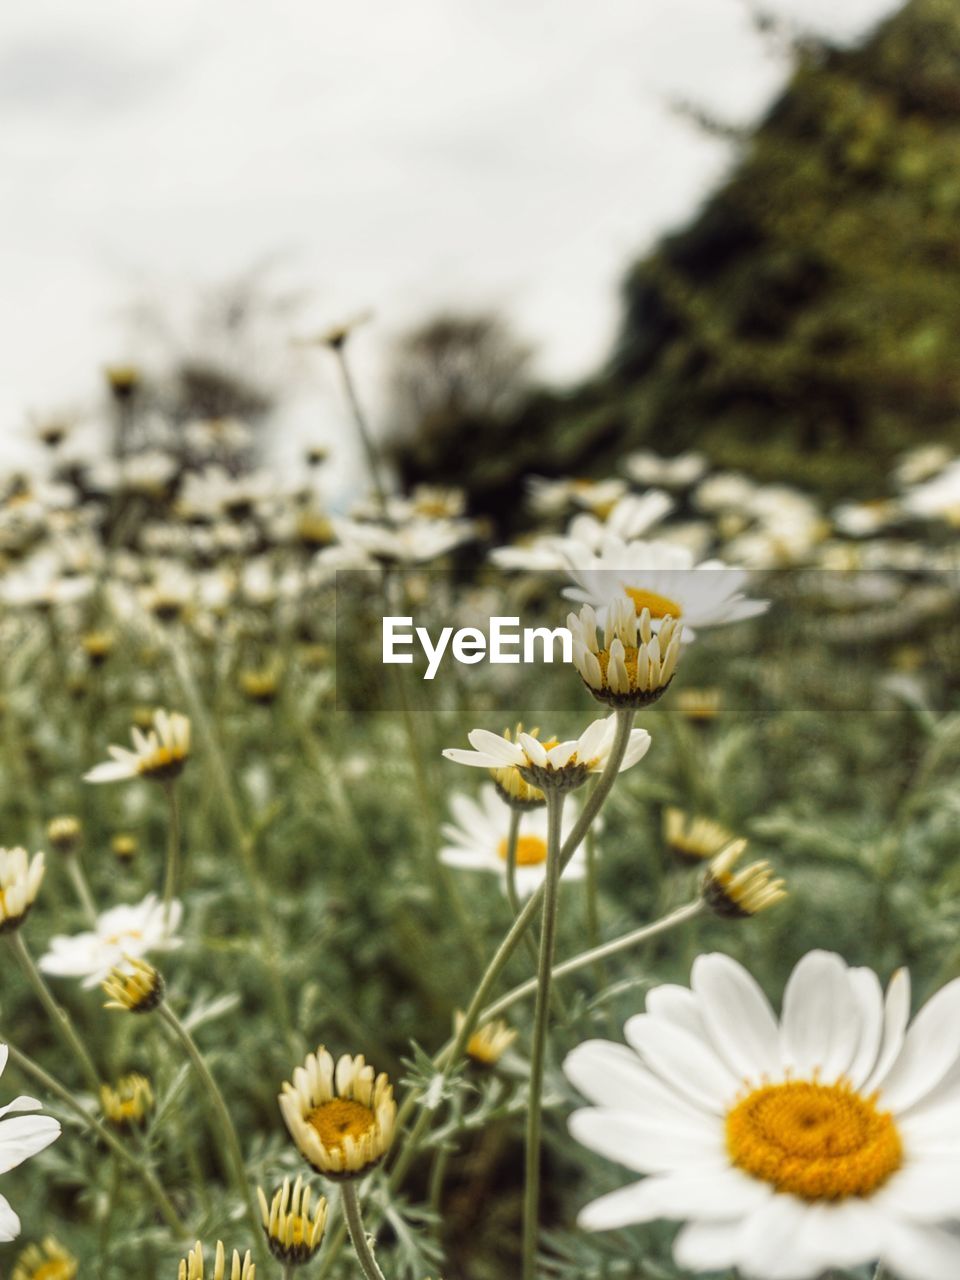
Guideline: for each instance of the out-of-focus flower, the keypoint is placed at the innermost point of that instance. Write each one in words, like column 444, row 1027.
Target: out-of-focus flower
column 46, row 1261
column 416, row 542
column 564, row 765
column 135, row 986
column 629, row 517
column 122, row 933
column 293, row 1234
column 679, row 472
column 938, row 498
column 553, row 497
column 127, row 1104
column 724, row 491
column 478, row 840
column 341, row 1117
column 489, row 1042
column 124, row 846
column 633, row 667
column 737, row 894
column 191, row 1267
column 866, row 519
column 691, row 839
column 159, row 754
column 920, row 464
column 823, row 1140
column 21, row 1136
column 123, row 380
column 98, row 646
column 665, row 580
column 64, row 833
column 20, row 880
column 699, row 705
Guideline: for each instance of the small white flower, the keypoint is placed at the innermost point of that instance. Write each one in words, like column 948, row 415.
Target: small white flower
column 419, row 539
column 552, row 763
column 159, row 754
column 826, row 1139
column 666, row 580
column 938, row 498
column 122, row 933
column 478, row 840
column 680, row 472
column 21, row 1136
column 20, row 879
column 629, row 517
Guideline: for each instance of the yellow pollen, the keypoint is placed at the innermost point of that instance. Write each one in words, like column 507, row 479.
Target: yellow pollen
column 815, row 1141
column 531, row 851
column 339, row 1119
column 659, row 606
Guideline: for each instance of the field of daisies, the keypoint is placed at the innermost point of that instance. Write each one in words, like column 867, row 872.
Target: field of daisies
column 637, row 966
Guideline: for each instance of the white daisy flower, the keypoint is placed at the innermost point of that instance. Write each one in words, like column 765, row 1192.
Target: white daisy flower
column 552, row 763
column 647, row 467
column 829, row 1138
column 938, row 498
column 419, row 540
column 629, row 517
column 666, row 580
column 122, row 933
column 21, row 1136
column 20, row 880
column 477, row 840
column 551, row 497
column 159, row 754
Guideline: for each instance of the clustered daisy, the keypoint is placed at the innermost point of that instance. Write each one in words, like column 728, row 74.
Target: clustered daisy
column 564, row 765
column 158, row 754
column 293, row 1234
column 825, row 1139
column 340, row 1116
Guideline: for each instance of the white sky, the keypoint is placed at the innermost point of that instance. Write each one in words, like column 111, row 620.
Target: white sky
column 404, row 157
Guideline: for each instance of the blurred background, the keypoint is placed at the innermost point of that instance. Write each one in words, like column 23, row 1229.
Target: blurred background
column 678, row 223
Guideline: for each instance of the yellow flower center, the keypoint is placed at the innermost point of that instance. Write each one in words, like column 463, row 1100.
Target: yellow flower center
column 659, row 606
column 815, row 1141
column 531, row 851
column 339, row 1119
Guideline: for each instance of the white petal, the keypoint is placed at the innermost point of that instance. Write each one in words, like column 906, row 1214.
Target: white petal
column 611, row 1075
column 678, row 1005
column 769, row 1243
column 931, row 1048
column 496, row 745
column 689, row 1063
column 845, row 1234
column 738, row 1017
column 821, row 1017
column 707, row 1246
column 23, row 1136
column 923, row 1190
column 869, row 994
column 716, row 1194
column 914, row 1252
column 477, row 759
column 618, row 1209
column 22, row 1103
column 9, row 1222
column 644, row 1145
column 896, row 1012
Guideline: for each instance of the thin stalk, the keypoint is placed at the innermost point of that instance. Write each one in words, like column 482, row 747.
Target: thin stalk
column 363, row 430
column 453, row 1052
column 541, row 1022
column 354, row 1220
column 219, row 1106
column 689, row 911
column 172, row 878
column 61, row 1092
column 57, row 1014
column 513, row 836
column 81, row 887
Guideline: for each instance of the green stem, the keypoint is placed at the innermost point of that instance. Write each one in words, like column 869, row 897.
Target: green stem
column 354, row 1219
column 593, row 911
column 172, row 877
column 513, row 897
column 453, row 1053
column 146, row 1176
column 58, row 1015
column 689, row 911
column 219, row 1106
column 81, row 888
column 366, row 438
column 541, row 1021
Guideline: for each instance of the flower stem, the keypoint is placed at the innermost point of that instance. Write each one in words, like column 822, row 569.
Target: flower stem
column 60, row 1091
column 82, row 888
column 513, row 897
column 363, row 430
column 541, row 1020
column 229, row 1133
column 354, row 1218
column 58, row 1015
column 172, row 878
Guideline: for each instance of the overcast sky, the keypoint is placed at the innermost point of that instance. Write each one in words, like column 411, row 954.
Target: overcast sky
column 466, row 153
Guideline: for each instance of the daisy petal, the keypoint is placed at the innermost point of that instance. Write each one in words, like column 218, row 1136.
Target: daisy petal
column 738, row 1017
column 9, row 1222
column 915, row 1252
column 684, row 1059
column 821, row 1017
column 643, row 1145
column 931, row 1048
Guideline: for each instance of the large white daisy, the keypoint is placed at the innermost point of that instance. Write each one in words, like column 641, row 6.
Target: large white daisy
column 122, row 933
column 21, row 1136
column 477, row 839
column 828, row 1139
column 665, row 579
